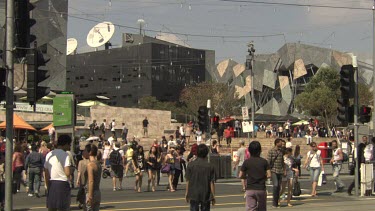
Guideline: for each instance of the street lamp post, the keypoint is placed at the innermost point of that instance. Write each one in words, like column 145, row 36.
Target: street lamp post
column 209, row 126
column 250, row 64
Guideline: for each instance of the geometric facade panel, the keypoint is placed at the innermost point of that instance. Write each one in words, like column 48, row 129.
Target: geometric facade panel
column 284, row 81
column 238, row 69
column 269, row 79
column 299, row 69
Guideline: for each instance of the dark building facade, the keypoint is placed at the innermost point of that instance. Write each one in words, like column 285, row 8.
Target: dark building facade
column 143, row 67
column 50, row 31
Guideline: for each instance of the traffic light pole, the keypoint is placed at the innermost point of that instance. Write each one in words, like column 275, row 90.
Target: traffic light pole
column 373, row 68
column 356, row 137
column 9, row 50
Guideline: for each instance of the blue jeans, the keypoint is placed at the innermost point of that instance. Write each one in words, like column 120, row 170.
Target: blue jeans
column 314, row 174
column 276, row 183
column 204, row 206
column 34, row 178
column 336, row 173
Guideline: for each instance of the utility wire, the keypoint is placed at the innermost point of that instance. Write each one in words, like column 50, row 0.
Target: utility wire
column 297, row 5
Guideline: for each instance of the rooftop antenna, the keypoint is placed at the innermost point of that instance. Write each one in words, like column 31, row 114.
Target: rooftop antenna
column 141, row 23
column 100, row 34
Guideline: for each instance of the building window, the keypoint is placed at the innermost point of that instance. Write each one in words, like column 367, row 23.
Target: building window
column 81, row 77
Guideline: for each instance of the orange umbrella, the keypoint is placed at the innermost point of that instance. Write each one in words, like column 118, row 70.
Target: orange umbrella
column 18, row 123
column 46, row 128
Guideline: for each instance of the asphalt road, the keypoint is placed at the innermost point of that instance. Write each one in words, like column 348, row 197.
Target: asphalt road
column 228, row 196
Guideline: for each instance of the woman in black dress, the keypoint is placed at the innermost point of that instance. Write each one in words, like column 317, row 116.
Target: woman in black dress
column 153, row 162
column 139, row 166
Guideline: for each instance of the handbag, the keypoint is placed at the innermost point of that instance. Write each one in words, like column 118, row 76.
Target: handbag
column 297, row 189
column 137, row 171
column 165, row 168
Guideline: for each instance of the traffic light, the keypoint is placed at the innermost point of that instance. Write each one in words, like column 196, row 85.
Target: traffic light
column 364, row 114
column 35, row 75
column 3, row 79
column 345, row 111
column 215, row 122
column 347, row 81
column 202, row 118
column 23, row 23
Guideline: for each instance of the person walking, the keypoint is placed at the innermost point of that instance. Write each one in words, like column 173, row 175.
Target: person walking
column 240, row 159
column 314, row 164
column 228, row 136
column 276, row 161
column 129, row 158
column 113, row 128
column 124, row 133
column 336, row 162
column 145, row 127
column 200, row 182
column 153, row 161
column 288, row 176
column 93, row 126
column 177, row 167
column 215, row 149
column 361, row 159
column 94, row 172
column 18, row 166
column 57, row 172
column 103, row 126
column 139, row 167
column 170, row 160
column 82, row 175
column 256, row 170
column 33, row 167
column 116, row 160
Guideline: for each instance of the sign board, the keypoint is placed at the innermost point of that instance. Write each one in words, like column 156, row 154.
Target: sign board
column 63, row 110
column 40, row 108
column 247, row 126
column 245, row 113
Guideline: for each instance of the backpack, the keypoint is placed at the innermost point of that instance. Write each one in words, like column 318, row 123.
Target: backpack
column 115, row 157
column 102, row 126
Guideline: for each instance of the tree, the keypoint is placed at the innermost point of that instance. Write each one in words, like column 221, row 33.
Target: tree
column 223, row 99
column 365, row 96
column 320, row 95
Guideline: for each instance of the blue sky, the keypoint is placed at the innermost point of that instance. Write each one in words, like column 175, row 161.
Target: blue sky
column 342, row 29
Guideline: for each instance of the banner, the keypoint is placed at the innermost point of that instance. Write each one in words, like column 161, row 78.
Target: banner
column 40, row 108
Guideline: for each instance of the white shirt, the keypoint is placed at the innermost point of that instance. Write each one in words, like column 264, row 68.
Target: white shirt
column 172, row 142
column 314, row 158
column 113, row 126
column 110, row 140
column 368, row 152
column 182, row 132
column 288, row 144
column 336, row 156
column 56, row 160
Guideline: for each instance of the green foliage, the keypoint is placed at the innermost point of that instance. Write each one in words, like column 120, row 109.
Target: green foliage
column 365, row 96
column 320, row 95
column 223, row 99
column 150, row 102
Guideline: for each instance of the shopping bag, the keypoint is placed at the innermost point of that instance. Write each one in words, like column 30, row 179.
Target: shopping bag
column 297, row 189
column 320, row 179
column 324, row 178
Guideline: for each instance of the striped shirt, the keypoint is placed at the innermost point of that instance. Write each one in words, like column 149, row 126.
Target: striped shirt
column 276, row 160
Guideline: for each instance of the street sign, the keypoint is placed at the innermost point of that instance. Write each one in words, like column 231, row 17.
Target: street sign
column 245, row 113
column 247, row 127
column 63, row 110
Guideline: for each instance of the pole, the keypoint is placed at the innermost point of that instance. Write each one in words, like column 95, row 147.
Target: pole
column 356, row 137
column 9, row 37
column 209, row 126
column 252, row 51
column 373, row 68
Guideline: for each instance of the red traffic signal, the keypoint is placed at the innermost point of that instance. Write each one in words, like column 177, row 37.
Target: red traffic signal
column 364, row 114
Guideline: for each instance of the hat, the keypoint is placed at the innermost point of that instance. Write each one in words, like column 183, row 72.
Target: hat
column 288, row 144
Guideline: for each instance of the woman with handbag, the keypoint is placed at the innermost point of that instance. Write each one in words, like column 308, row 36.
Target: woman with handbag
column 169, row 161
column 139, row 167
column 314, row 164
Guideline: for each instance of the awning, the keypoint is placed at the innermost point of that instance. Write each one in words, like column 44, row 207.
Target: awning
column 47, row 127
column 18, row 123
column 301, row 122
column 91, row 103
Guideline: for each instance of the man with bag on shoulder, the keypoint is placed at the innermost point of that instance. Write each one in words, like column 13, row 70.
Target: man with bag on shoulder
column 314, row 164
column 276, row 162
column 117, row 160
column 336, row 162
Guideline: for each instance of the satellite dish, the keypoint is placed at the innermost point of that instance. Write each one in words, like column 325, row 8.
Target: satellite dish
column 100, row 34
column 71, row 46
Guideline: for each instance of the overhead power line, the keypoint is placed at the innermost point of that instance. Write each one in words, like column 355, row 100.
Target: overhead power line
column 297, row 5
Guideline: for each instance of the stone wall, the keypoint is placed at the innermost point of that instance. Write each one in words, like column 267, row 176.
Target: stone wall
column 132, row 117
